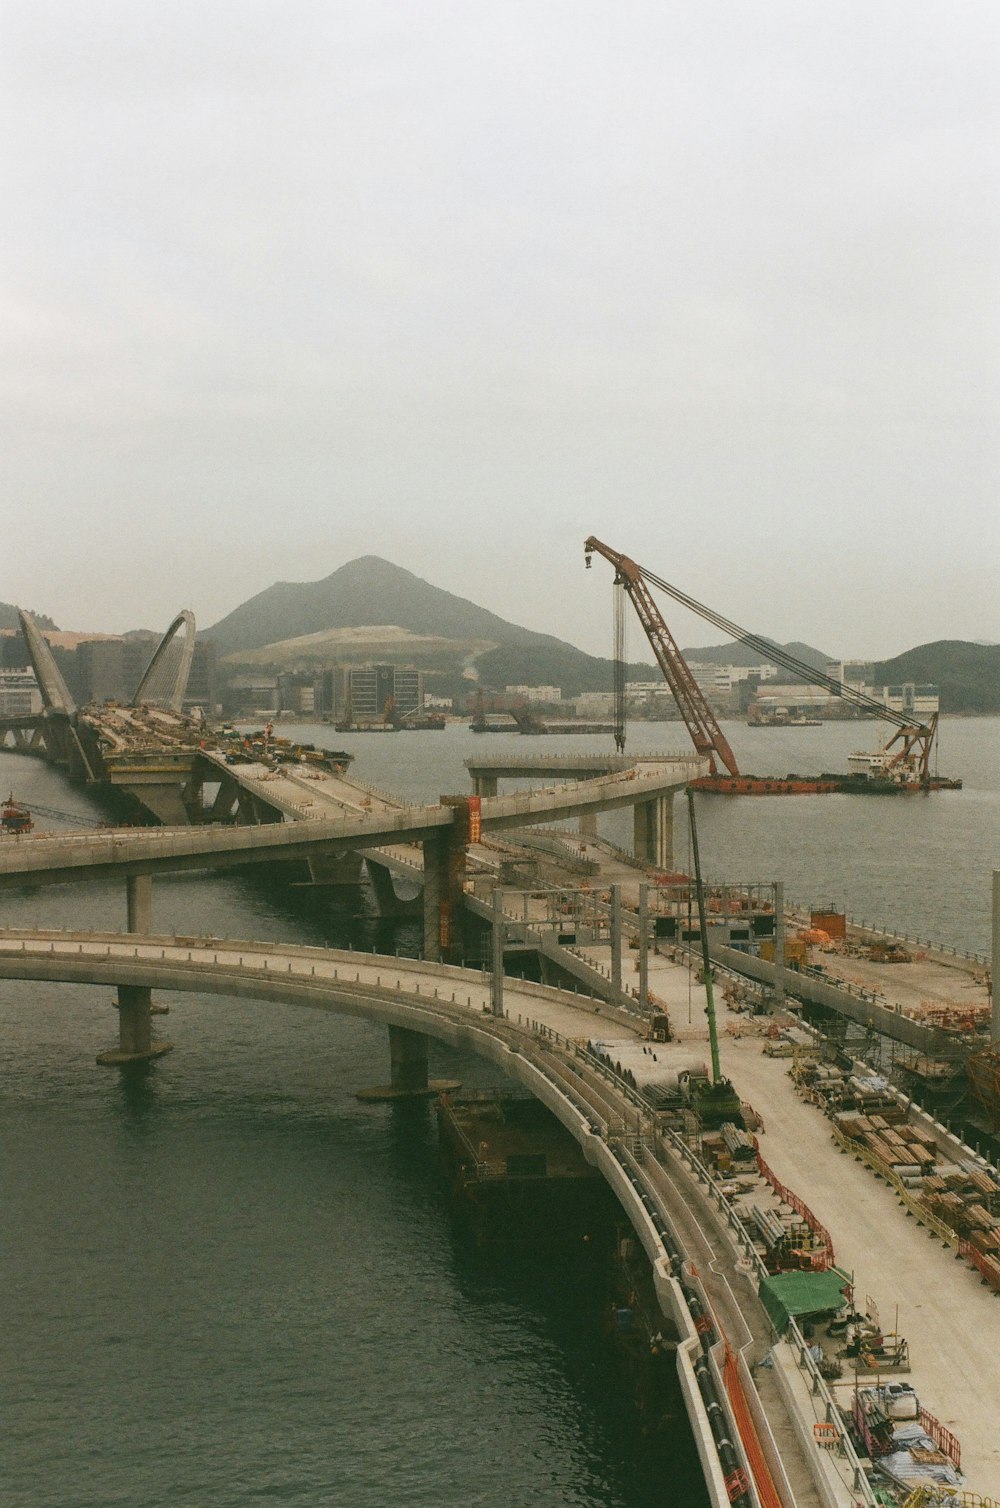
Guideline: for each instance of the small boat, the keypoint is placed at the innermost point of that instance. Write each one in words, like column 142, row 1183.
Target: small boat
column 15, row 818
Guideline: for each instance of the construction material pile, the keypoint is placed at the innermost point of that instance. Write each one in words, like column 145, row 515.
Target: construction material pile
column 905, row 1149
column 960, row 1201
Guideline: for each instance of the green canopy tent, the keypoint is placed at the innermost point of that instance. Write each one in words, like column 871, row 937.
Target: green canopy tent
column 788, row 1295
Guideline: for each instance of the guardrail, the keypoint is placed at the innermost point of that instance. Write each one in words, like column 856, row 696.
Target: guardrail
column 881, row 930
column 972, row 1254
column 800, row 1207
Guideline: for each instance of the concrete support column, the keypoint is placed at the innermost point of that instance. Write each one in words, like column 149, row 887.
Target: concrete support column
column 496, row 975
column 135, row 1027
column 644, row 947
column 444, row 896
column 484, row 785
column 135, row 1001
column 588, row 824
column 408, row 1060
column 653, row 831
column 616, row 939
column 135, row 1030
column 779, row 945
column 995, row 972
column 435, row 892
column 139, row 902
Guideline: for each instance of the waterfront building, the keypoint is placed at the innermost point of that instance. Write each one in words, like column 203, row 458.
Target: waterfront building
column 374, row 687
column 544, row 694
column 19, row 693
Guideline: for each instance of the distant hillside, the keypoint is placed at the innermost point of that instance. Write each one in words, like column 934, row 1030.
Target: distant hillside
column 367, row 590
column 735, row 653
column 967, row 675
column 284, row 626
column 9, row 619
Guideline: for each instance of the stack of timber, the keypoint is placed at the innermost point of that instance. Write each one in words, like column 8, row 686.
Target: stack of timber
column 960, row 1200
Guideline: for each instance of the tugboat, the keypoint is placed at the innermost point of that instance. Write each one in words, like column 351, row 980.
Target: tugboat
column 14, row 818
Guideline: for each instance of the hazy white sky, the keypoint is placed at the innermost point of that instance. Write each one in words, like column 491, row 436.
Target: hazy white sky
column 460, row 283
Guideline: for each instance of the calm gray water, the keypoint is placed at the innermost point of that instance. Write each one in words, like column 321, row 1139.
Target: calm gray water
column 227, row 1282
column 922, row 863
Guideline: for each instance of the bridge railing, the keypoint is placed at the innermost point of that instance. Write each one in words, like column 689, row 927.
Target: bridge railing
column 571, row 1049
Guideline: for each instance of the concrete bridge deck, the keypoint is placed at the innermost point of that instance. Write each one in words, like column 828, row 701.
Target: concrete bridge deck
column 950, row 1320
column 55, row 858
column 486, row 769
column 541, row 1041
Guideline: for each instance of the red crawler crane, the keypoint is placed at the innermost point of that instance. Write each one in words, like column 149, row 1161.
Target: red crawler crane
column 706, row 735
column 902, row 769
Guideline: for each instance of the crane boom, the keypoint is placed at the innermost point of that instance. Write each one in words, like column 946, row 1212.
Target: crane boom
column 706, row 735
column 915, row 740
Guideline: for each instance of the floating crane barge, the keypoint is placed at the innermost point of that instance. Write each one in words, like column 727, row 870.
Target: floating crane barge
column 899, row 766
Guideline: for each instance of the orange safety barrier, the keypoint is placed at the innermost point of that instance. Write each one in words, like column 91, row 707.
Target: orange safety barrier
column 984, row 1264
column 824, row 1257
column 767, row 1493
column 943, row 1438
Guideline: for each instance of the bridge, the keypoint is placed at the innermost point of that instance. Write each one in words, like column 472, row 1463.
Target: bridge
column 778, row 1420
column 540, row 1040
column 652, row 823
column 145, row 748
column 302, row 828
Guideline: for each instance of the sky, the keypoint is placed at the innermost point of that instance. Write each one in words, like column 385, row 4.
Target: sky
column 460, row 284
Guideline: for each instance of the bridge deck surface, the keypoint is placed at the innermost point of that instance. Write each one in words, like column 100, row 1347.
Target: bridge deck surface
column 951, row 1321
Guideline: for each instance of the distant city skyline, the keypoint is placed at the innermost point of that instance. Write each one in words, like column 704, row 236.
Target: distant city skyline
column 459, row 286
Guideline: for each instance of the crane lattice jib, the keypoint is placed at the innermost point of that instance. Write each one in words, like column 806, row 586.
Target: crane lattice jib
column 778, row 656
column 706, row 735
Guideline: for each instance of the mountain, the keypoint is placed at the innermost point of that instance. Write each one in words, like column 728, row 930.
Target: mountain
column 371, row 610
column 735, row 653
column 9, row 618
column 367, row 590
column 295, row 625
column 967, row 675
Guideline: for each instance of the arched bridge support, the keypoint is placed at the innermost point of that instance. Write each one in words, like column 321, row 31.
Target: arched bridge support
column 653, row 831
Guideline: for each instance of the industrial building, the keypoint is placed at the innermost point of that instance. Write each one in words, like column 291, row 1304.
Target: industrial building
column 19, row 693
column 365, row 692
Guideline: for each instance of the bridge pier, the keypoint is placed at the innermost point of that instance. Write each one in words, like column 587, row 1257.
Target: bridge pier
column 139, row 902
column 653, row 831
column 135, row 1001
column 337, row 869
column 407, row 1060
column 387, row 902
column 588, row 825
column 135, row 1029
column 444, row 892
column 408, row 1070
column 484, row 785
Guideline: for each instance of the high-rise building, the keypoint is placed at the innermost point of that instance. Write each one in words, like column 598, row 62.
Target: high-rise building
column 100, row 671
